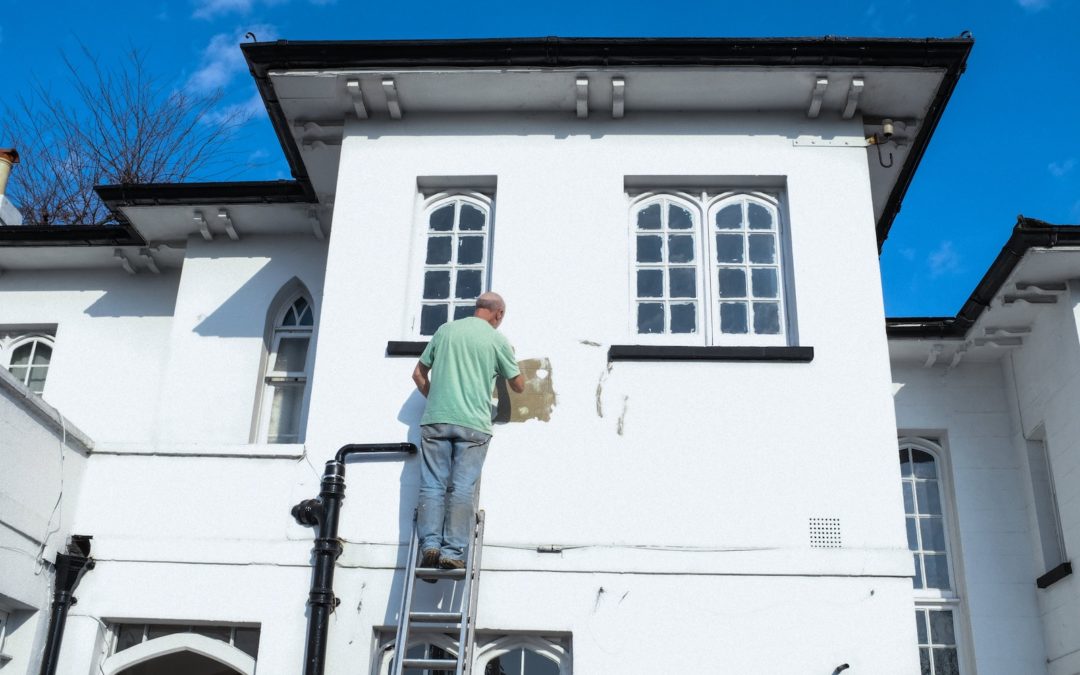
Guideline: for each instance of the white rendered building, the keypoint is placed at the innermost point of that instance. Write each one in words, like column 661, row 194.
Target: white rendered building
column 703, row 473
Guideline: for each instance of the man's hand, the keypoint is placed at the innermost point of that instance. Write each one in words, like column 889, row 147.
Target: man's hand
column 517, row 383
column 423, row 384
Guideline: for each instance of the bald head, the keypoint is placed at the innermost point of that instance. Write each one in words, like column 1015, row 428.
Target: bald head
column 490, row 307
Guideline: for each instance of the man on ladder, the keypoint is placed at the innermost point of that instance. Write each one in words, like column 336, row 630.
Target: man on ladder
column 457, row 373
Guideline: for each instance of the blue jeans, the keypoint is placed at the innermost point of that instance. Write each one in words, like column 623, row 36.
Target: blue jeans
column 452, row 457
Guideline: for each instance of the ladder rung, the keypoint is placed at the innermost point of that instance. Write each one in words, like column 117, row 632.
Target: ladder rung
column 430, row 664
column 435, row 617
column 427, row 573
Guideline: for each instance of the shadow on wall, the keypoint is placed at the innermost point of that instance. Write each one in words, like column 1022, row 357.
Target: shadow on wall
column 123, row 295
column 243, row 314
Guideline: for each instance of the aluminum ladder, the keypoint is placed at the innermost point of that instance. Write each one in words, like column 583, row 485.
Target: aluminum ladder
column 462, row 621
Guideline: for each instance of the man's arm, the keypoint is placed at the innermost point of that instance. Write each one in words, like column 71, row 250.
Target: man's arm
column 423, row 383
column 517, row 383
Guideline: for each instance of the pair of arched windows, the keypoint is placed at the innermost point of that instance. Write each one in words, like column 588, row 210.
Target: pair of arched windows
column 284, row 390
column 27, row 356
column 507, row 655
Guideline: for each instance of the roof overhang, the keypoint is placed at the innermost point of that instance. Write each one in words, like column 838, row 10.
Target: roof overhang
column 310, row 88
column 1030, row 273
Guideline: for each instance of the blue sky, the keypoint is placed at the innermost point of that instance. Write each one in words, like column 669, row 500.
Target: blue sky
column 1007, row 143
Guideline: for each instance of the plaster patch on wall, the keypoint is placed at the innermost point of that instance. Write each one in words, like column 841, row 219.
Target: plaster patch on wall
column 589, row 343
column 621, row 425
column 536, row 402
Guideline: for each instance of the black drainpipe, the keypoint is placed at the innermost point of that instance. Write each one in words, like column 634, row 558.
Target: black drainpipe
column 70, row 568
column 323, row 511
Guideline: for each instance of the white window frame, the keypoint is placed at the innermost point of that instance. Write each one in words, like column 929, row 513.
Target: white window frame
column 12, row 341
column 4, row 618
column 1045, row 509
column 489, row 647
column 427, row 205
column 704, row 205
column 293, row 378
column 952, row 599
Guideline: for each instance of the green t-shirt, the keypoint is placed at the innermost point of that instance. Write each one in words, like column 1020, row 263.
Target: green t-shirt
column 464, row 357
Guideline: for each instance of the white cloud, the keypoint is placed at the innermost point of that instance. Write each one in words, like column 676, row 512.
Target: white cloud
column 1059, row 169
column 237, row 113
column 222, row 59
column 1034, row 5
column 944, row 260
column 209, row 9
column 907, row 254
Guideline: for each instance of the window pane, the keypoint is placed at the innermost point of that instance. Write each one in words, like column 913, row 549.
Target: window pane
column 649, row 249
column 463, row 311
column 729, row 217
column 924, row 662
column 306, row 318
column 729, row 248
column 442, row 219
column 909, row 502
column 766, row 318
column 682, row 282
column 650, row 283
column 161, row 630
column 764, row 283
column 468, row 284
column 933, row 534
column 42, row 354
column 905, row 462
column 436, row 284
column 213, row 632
column 648, row 218
column 945, row 662
column 680, row 248
column 760, row 218
column 21, row 356
column 470, row 250
column 733, row 317
column 431, row 317
column 20, row 373
column 291, row 355
column 924, row 464
column 650, row 317
column 733, row 284
column 538, row 665
column 247, row 641
column 438, row 250
column 684, row 318
column 472, row 218
column 929, row 497
column 912, row 538
column 36, row 381
column 129, row 635
column 918, row 581
column 920, row 625
column 679, row 218
column 941, row 628
column 937, row 570
column 285, row 413
column 762, row 248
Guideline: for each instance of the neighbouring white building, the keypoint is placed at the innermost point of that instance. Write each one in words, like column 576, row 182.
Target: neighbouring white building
column 703, row 474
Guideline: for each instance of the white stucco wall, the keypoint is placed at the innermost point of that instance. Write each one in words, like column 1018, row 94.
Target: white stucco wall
column 43, row 459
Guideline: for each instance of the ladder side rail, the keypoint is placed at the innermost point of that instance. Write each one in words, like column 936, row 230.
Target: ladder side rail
column 401, row 636
column 466, row 643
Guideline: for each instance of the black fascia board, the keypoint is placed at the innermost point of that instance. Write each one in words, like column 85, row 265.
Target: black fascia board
column 405, row 348
column 230, row 192
column 119, row 234
column 555, row 52
column 1027, row 234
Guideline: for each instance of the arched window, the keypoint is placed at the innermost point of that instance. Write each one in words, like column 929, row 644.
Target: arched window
column 507, row 655
column 455, row 259
column 288, row 365
column 708, row 268
column 937, row 602
column 158, row 649
column 28, row 360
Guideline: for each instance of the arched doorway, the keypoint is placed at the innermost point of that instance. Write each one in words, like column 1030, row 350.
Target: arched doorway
column 180, row 654
column 180, row 663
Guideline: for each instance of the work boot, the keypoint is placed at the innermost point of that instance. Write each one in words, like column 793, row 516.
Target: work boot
column 452, row 564
column 430, row 560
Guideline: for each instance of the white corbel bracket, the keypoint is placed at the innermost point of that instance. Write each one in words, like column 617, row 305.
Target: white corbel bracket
column 226, row 221
column 1030, row 298
column 581, row 97
column 817, row 96
column 618, row 97
column 1047, row 286
column 998, row 341
column 147, row 255
column 316, row 225
column 357, row 96
column 855, row 90
column 1006, row 330
column 932, row 357
column 123, row 260
column 393, row 106
column 204, row 227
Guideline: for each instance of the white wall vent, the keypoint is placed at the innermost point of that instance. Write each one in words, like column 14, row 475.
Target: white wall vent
column 825, row 533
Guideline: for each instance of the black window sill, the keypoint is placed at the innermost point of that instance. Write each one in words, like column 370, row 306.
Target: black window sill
column 1057, row 574
column 397, row 348
column 679, row 353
